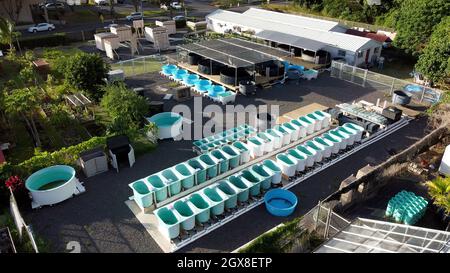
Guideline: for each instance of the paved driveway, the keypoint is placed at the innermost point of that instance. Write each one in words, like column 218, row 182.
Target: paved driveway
column 101, row 222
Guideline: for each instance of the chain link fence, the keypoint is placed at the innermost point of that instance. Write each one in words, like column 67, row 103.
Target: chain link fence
column 419, row 93
column 140, row 65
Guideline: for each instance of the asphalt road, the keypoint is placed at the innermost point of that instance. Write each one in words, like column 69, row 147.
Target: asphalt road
column 198, row 8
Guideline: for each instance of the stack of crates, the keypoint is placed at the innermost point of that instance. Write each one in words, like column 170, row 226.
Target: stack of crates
column 405, row 207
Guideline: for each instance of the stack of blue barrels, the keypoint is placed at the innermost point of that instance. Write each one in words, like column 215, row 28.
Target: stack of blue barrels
column 405, row 207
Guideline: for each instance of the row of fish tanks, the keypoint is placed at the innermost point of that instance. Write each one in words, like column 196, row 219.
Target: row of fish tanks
column 237, row 175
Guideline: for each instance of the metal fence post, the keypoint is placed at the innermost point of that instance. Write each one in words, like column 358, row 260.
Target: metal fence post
column 423, row 93
column 365, row 78
column 392, row 86
column 327, row 225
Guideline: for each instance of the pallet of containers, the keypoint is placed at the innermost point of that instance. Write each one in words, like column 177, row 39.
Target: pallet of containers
column 406, row 207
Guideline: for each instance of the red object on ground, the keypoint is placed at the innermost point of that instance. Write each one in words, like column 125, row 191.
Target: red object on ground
column 2, row 157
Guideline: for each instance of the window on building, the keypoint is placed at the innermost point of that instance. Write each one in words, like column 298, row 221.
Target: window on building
column 341, row 53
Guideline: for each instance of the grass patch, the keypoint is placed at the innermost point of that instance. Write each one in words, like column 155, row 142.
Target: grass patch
column 24, row 245
column 138, row 67
column 24, row 148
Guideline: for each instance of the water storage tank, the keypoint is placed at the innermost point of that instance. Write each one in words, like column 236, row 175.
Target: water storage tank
column 193, row 58
column 401, row 97
column 247, row 87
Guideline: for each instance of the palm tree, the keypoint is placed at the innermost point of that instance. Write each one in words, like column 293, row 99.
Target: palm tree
column 7, row 33
column 439, row 187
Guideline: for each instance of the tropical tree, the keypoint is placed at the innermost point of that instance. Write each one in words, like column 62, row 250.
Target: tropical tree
column 434, row 62
column 86, row 72
column 123, row 105
column 7, row 33
column 24, row 103
column 416, row 21
column 438, row 187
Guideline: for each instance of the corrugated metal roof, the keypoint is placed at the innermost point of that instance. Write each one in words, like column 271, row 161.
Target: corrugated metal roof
column 298, row 20
column 329, row 38
column 288, row 39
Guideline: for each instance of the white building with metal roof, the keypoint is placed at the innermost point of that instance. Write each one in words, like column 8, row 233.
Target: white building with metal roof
column 300, row 34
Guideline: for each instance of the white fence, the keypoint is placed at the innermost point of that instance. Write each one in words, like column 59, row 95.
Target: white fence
column 20, row 222
column 366, row 78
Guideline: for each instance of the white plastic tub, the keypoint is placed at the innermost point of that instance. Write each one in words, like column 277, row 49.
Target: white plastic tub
column 256, row 146
column 301, row 159
column 268, row 143
column 295, row 130
column 310, row 154
column 287, row 163
column 277, row 138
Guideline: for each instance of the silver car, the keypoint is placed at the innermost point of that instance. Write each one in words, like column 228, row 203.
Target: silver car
column 41, row 27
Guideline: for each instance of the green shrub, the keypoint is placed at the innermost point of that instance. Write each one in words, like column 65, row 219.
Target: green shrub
column 87, row 72
column 56, row 39
column 123, row 105
column 283, row 239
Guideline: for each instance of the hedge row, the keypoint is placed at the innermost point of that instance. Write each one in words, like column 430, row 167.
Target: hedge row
column 65, row 156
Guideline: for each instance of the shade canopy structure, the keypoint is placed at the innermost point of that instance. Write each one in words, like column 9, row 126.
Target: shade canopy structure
column 291, row 40
column 373, row 236
column 234, row 52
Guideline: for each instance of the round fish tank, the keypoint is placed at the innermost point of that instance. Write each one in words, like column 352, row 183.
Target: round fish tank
column 168, row 69
column 52, row 185
column 280, row 202
column 214, row 90
column 190, row 79
column 203, row 85
column 169, row 124
column 179, row 74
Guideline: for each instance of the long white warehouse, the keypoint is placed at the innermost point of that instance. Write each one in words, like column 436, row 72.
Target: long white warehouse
column 311, row 39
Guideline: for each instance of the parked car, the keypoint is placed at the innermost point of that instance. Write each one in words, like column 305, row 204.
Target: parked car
column 179, row 18
column 111, row 25
column 101, row 2
column 135, row 16
column 41, row 27
column 52, row 6
column 176, row 5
